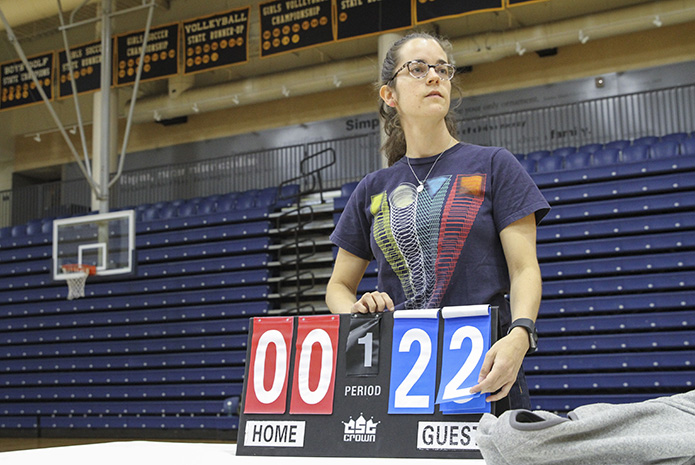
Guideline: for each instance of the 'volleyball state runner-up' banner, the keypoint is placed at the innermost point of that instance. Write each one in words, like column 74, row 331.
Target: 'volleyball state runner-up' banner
column 392, row 384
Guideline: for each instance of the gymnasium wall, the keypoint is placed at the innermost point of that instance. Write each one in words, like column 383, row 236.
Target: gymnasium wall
column 657, row 47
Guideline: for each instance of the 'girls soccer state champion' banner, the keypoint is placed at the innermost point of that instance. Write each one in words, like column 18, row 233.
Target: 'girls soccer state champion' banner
column 431, row 10
column 362, row 17
column 288, row 25
column 392, row 384
column 217, row 40
column 161, row 55
column 18, row 88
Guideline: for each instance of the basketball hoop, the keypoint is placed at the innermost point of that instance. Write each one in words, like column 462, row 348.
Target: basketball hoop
column 77, row 279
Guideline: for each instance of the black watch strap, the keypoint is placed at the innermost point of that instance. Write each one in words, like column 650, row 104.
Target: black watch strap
column 530, row 328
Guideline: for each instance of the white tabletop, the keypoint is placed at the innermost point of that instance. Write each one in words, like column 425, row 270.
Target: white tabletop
column 172, row 453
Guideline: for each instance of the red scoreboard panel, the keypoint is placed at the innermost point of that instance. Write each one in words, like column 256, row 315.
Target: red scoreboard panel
column 386, row 385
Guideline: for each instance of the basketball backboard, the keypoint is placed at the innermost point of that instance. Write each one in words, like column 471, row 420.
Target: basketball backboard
column 106, row 241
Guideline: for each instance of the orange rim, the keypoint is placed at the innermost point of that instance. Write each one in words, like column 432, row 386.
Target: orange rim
column 74, row 267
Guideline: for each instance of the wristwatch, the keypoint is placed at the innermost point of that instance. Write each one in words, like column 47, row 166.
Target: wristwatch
column 530, row 328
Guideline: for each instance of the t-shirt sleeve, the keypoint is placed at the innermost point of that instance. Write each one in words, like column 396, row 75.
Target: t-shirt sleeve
column 514, row 193
column 352, row 232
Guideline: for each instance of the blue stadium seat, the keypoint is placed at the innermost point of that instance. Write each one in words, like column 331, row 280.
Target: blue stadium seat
column 675, row 136
column 347, row 188
column 663, row 340
column 47, row 227
column 619, row 144
column 629, row 380
column 653, row 243
column 605, row 362
column 169, row 210
column 635, row 153
column 226, row 203
column 150, row 213
column 646, row 140
column 649, row 263
column 19, row 230
column 568, row 403
column 615, row 324
column 617, row 303
column 529, row 164
column 588, row 230
column 550, row 163
column 660, row 282
column 266, row 198
column 590, row 148
column 207, row 205
column 577, row 161
column 687, row 146
column 606, row 157
column 563, row 151
column 664, row 149
column 537, row 155
column 188, row 208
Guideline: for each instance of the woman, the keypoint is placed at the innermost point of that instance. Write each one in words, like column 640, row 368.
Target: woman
column 448, row 223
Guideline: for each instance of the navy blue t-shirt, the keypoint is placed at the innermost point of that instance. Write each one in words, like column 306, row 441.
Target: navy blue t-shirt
column 440, row 246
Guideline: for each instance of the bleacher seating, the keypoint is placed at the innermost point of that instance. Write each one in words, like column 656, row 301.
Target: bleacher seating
column 163, row 350
column 617, row 255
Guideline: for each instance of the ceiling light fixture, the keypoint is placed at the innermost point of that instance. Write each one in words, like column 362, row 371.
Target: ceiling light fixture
column 519, row 49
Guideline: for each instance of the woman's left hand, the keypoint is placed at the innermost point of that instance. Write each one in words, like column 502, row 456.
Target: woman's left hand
column 501, row 365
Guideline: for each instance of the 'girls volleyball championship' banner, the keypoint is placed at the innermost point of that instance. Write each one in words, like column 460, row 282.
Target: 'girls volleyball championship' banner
column 288, row 25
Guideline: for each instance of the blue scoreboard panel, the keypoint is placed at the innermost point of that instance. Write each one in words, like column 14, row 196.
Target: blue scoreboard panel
column 393, row 384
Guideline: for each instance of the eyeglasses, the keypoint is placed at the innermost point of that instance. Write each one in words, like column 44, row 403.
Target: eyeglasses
column 419, row 69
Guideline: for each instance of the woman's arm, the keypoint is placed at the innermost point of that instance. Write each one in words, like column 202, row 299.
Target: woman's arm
column 504, row 359
column 342, row 287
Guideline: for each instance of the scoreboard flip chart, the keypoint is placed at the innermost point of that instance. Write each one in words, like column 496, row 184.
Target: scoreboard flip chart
column 393, row 384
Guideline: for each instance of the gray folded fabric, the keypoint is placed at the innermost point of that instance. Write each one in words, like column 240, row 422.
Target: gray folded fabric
column 658, row 431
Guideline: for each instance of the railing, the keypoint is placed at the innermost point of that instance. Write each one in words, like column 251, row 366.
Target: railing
column 295, row 285
column 234, row 173
column 546, row 127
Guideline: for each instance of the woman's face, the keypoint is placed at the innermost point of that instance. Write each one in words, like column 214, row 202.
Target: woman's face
column 414, row 98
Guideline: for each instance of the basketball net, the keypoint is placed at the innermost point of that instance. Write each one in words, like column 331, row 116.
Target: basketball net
column 77, row 282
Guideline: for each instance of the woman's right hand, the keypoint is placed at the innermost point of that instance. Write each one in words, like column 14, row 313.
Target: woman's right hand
column 373, row 302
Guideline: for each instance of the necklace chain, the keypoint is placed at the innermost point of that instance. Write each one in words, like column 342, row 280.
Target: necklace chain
column 420, row 186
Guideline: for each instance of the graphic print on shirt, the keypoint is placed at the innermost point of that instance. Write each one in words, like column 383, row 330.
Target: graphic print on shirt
column 422, row 234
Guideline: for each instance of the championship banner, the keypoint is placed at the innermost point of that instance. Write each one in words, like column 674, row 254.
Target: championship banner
column 360, row 18
column 216, row 40
column 161, row 56
column 431, row 10
column 288, row 25
column 86, row 62
column 18, row 88
column 341, row 409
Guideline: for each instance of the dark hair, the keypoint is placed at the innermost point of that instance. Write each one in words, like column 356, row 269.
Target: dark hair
column 394, row 147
